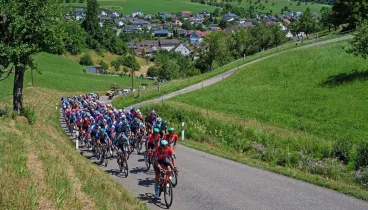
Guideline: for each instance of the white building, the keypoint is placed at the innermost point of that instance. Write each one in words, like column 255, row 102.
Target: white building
column 136, row 13
column 181, row 48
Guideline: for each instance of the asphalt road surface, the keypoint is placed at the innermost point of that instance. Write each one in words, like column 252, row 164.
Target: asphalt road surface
column 210, row 182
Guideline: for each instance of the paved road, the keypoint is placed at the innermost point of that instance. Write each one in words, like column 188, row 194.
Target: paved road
column 210, row 182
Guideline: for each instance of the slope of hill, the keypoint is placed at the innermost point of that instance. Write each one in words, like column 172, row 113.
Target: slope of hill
column 148, row 6
column 318, row 90
column 58, row 68
column 40, row 168
column 265, row 6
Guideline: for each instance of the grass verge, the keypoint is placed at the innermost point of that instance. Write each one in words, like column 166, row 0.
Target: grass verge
column 40, row 168
column 297, row 154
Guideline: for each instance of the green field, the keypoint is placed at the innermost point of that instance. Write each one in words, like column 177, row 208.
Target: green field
column 278, row 4
column 321, row 91
column 149, row 6
column 60, row 73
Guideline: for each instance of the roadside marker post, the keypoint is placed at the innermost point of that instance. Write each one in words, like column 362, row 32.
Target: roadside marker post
column 77, row 144
column 182, row 131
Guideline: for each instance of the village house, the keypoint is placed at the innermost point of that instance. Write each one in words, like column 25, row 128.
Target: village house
column 182, row 49
column 161, row 33
column 132, row 28
column 196, row 37
column 230, row 17
column 79, row 12
column 186, row 14
column 136, row 13
column 168, row 44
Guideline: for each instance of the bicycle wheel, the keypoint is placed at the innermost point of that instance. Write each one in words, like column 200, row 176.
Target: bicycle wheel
column 138, row 147
column 147, row 161
column 120, row 163
column 125, row 167
column 132, row 147
column 174, row 179
column 168, row 194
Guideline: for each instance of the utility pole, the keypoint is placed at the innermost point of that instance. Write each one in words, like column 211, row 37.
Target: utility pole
column 132, row 79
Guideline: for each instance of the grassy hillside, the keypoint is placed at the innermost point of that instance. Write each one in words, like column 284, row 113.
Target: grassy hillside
column 321, row 90
column 40, row 168
column 277, row 5
column 149, row 6
column 301, row 114
column 108, row 58
column 60, row 73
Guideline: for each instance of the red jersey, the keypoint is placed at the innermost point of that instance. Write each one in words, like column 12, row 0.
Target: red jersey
column 161, row 153
column 171, row 139
column 152, row 138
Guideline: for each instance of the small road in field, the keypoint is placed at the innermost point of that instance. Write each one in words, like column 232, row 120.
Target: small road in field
column 226, row 74
column 209, row 182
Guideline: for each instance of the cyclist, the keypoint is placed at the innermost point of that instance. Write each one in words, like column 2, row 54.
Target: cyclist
column 172, row 138
column 153, row 139
column 135, row 126
column 120, row 140
column 163, row 127
column 164, row 157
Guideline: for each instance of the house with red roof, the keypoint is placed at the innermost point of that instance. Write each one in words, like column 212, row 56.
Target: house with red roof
column 197, row 36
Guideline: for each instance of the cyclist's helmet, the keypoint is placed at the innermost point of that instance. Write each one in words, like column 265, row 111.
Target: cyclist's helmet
column 159, row 119
column 102, row 130
column 156, row 130
column 171, row 130
column 164, row 143
column 136, row 119
column 165, row 122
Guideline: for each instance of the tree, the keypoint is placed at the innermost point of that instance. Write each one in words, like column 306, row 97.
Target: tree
column 130, row 62
column 27, row 28
column 75, row 37
column 359, row 45
column 216, row 12
column 117, row 63
column 91, row 22
column 306, row 23
column 326, row 18
column 143, row 53
column 104, row 65
column 349, row 11
column 214, row 50
column 86, row 60
column 239, row 1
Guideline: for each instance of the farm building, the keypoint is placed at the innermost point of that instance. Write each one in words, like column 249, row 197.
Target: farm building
column 95, row 69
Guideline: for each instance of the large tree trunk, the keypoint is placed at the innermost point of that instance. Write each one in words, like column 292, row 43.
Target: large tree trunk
column 18, row 90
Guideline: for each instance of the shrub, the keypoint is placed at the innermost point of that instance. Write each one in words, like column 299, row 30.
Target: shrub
column 104, row 65
column 86, row 60
column 30, row 114
column 361, row 176
column 5, row 111
column 341, row 150
column 361, row 159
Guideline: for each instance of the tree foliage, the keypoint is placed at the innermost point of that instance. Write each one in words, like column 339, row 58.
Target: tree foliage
column 350, row 12
column 306, row 23
column 326, row 18
column 75, row 37
column 86, row 60
column 27, row 28
column 359, row 44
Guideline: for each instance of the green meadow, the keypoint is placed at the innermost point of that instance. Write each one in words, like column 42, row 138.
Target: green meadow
column 60, row 73
column 320, row 90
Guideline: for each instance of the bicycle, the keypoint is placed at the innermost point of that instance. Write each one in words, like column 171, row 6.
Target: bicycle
column 148, row 158
column 123, row 163
column 166, row 187
column 102, row 150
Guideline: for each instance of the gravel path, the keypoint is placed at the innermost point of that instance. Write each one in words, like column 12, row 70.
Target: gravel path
column 209, row 182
